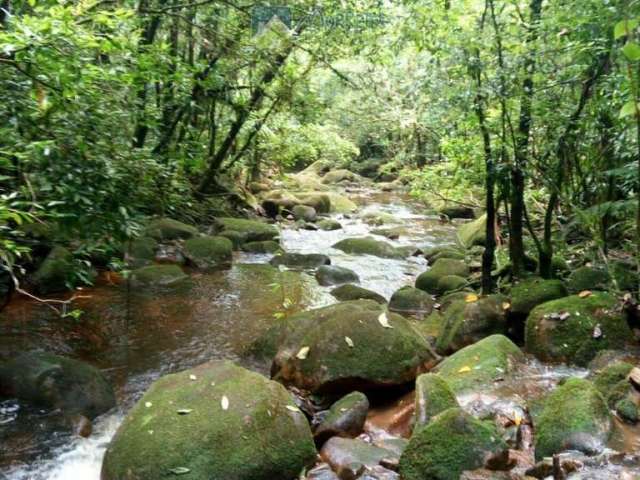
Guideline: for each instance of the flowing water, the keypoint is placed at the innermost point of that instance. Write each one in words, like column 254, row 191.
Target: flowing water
column 135, row 336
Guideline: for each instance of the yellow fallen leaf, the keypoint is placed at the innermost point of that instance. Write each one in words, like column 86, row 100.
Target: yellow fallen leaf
column 192, row 377
column 349, row 342
column 518, row 419
column 464, row 369
column 506, row 305
column 384, row 320
column 292, row 408
column 302, row 353
column 472, row 297
column 585, row 294
column 224, row 402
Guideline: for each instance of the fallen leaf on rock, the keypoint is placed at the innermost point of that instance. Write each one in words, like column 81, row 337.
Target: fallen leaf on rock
column 302, row 353
column 384, row 320
column 224, row 402
column 349, row 342
column 585, row 294
column 597, row 331
column 464, row 369
column 292, row 408
column 472, row 297
column 506, row 305
column 179, row 470
column 184, row 411
column 148, row 404
column 192, row 377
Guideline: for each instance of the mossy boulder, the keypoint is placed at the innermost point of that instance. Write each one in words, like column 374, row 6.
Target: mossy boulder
column 140, row 251
column 573, row 329
column 433, row 396
column 472, row 233
column 612, row 382
column 341, row 203
column 625, row 274
column 528, row 294
column 254, row 230
column 588, row 278
column 443, row 251
column 466, row 322
column 333, row 275
column 321, row 202
column 329, row 224
column 451, row 283
column 163, row 229
column 369, row 246
column 628, row 410
column 428, row 281
column 392, row 233
column 345, row 347
column 56, row 382
column 238, row 239
column 157, row 275
column 574, row 417
column 451, row 443
column 208, row 252
column 345, row 418
column 304, row 213
column 266, row 246
column 305, row 261
column 411, row 301
column 378, row 218
column 348, row 292
column 337, row 176
column 215, row 421
column 458, row 211
column 481, row 363
column 55, row 273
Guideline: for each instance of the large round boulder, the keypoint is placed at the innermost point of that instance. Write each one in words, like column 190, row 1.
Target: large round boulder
column 429, row 280
column 574, row 329
column 348, row 346
column 157, row 276
column 303, row 261
column 347, row 292
column 337, row 176
column 215, row 421
column 334, row 275
column 305, row 213
column 254, row 230
column 528, row 294
column 433, row 396
column 472, row 233
column 163, row 229
column 588, row 278
column 345, row 418
column 411, row 301
column 208, row 252
column 53, row 381
column 369, row 246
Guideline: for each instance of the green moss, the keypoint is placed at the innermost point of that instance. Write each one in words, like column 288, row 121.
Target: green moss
column 321, row 202
column 443, row 251
column 575, row 415
column 450, row 283
column 433, row 396
column 575, row 338
column 253, row 229
column 55, row 274
column 431, row 327
column 472, row 233
column 369, row 246
column 336, row 176
column 608, row 378
column 237, row 238
column 411, row 301
column 267, row 246
column 453, row 442
column 379, row 218
column 300, row 260
column 428, row 281
column 354, row 292
column 340, row 203
column 168, row 229
column 527, row 295
column 141, row 251
column 481, row 363
column 329, row 224
column 588, row 278
column 304, row 212
column 333, row 275
column 260, row 436
column 157, row 275
column 627, row 410
column 625, row 275
column 208, row 252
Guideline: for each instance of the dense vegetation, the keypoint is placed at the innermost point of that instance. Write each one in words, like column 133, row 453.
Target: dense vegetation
column 116, row 110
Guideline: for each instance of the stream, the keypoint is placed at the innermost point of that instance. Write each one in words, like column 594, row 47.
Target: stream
column 136, row 337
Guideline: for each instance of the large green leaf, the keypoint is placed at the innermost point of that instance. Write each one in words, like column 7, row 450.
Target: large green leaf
column 625, row 27
column 628, row 109
column 632, row 51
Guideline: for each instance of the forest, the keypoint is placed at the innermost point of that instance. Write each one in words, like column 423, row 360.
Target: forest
column 356, row 239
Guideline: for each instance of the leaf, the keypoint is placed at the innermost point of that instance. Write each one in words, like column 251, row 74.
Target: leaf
column 224, row 402
column 472, row 297
column 585, row 294
column 384, row 320
column 624, row 27
column 184, row 411
column 628, row 109
column 464, row 369
column 148, row 404
column 179, row 470
column 597, row 331
column 506, row 305
column 302, row 353
column 349, row 342
column 192, row 377
column 292, row 408
column 518, row 419
column 632, row 51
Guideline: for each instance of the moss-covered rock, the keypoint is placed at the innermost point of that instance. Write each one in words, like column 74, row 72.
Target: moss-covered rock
column 369, row 246
column 337, row 176
column 481, row 363
column 140, row 251
column 433, row 396
column 320, row 201
column 254, row 230
column 613, row 384
column 378, row 218
column 266, row 246
column 625, row 274
column 341, row 203
column 238, row 239
column 163, row 229
column 467, row 322
column 55, row 273
column 411, row 301
column 53, row 381
column 443, row 251
column 344, row 347
column 472, row 233
column 450, row 283
column 345, row 418
column 532, row 292
column 574, row 417
column 588, row 278
column 428, row 281
column 458, row 211
column 307, row 261
column 353, row 292
column 333, row 275
column 304, row 213
column 208, row 252
column 329, row 224
column 451, row 443
column 157, row 275
column 218, row 421
column 627, row 409
column 573, row 329
column 350, row 457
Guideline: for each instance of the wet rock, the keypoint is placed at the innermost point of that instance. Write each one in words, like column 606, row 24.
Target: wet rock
column 627, row 410
column 140, row 251
column 453, row 442
column 574, row 417
column 467, row 322
column 306, row 261
column 163, row 229
column 458, row 211
column 80, row 425
column 322, row 472
column 613, row 382
column 55, row 272
column 528, row 294
column 428, row 281
column 334, row 275
column 573, row 329
column 485, row 474
column 390, row 233
column 321, row 202
column 345, row 418
column 450, row 283
column 337, row 176
column 379, row 473
column 588, row 278
column 443, row 251
column 329, row 224
column 235, row 424
column 411, row 301
column 482, row 363
column 433, row 396
column 157, row 275
column 472, row 233
column 304, row 213
column 238, row 239
column 171, row 254
column 208, row 252
column 349, row 458
column 378, row 218
column 254, row 230
column 354, row 292
column 267, row 246
column 345, row 347
column 369, row 246
column 55, row 382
